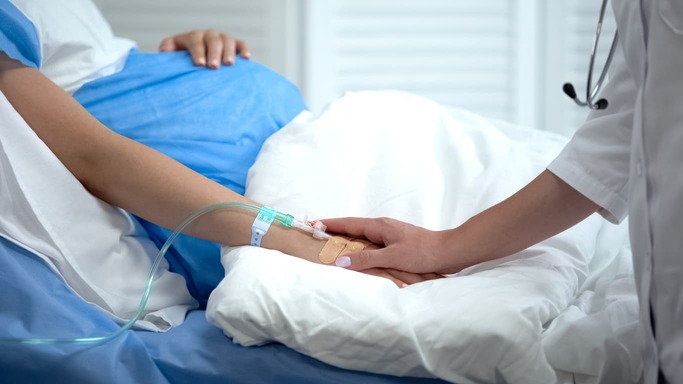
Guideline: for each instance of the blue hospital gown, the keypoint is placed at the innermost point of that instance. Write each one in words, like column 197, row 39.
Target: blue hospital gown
column 213, row 121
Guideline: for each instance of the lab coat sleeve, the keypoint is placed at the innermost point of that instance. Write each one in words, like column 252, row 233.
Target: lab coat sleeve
column 596, row 160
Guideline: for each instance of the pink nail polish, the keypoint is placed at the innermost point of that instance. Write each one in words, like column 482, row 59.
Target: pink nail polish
column 343, row 262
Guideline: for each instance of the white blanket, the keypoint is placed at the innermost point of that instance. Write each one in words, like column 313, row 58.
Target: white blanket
column 398, row 155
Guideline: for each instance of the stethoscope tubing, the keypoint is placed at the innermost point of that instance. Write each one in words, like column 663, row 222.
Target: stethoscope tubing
column 592, row 91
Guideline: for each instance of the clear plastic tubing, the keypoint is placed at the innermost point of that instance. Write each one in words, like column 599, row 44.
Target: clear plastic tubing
column 285, row 220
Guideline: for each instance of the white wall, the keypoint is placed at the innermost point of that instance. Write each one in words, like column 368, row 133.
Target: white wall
column 505, row 59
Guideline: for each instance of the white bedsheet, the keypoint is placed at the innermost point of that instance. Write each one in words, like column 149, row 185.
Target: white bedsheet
column 514, row 320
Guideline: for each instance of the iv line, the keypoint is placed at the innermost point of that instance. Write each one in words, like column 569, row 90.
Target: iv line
column 286, row 220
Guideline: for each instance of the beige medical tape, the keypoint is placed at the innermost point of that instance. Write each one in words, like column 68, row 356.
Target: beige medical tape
column 338, row 246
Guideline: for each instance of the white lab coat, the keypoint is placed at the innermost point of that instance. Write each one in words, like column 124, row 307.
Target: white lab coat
column 629, row 159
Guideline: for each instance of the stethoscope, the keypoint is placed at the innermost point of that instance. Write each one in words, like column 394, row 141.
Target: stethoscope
column 592, row 92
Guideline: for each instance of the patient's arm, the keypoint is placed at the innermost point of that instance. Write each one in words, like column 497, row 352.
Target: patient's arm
column 130, row 175
column 207, row 47
column 139, row 179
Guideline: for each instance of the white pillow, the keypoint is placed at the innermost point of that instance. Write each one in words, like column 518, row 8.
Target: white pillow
column 101, row 253
column 399, row 155
column 76, row 42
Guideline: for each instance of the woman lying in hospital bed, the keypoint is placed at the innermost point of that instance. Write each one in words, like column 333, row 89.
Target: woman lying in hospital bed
column 521, row 319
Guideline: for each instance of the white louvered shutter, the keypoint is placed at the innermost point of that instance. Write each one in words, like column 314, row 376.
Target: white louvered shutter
column 505, row 59
column 454, row 52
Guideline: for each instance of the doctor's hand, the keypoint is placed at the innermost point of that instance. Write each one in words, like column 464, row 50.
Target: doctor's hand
column 406, row 247
column 208, row 48
column 400, row 278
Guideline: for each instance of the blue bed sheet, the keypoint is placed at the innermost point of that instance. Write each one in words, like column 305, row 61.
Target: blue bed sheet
column 213, row 121
column 36, row 303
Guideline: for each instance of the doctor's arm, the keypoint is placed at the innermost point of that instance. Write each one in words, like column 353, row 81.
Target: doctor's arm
column 599, row 156
column 545, row 207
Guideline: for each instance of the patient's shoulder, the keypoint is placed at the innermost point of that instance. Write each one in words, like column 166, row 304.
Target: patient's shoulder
column 68, row 40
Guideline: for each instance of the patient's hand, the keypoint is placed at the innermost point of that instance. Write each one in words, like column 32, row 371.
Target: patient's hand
column 208, row 47
column 401, row 278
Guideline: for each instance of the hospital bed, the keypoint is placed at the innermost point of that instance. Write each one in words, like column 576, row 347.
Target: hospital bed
column 564, row 310
column 560, row 311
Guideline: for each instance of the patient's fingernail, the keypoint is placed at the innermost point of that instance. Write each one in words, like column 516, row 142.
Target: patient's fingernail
column 343, row 262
